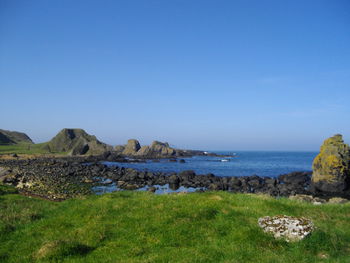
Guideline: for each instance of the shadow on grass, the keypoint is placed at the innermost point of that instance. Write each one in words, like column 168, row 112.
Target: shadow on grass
column 6, row 190
column 58, row 250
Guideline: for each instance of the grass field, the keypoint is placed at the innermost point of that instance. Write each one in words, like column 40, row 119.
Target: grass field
column 25, row 148
column 144, row 227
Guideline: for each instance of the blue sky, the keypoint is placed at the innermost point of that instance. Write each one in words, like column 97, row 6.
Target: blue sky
column 237, row 75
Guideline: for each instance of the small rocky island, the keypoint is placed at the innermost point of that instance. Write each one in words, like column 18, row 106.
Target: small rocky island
column 60, row 176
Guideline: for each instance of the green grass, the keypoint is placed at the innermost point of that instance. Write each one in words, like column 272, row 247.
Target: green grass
column 25, row 148
column 144, row 227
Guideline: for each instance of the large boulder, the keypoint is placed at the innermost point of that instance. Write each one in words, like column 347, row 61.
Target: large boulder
column 163, row 149
column 76, row 142
column 331, row 167
column 132, row 147
column 13, row 137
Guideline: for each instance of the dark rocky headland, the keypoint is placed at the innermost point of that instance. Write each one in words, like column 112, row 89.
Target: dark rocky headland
column 74, row 174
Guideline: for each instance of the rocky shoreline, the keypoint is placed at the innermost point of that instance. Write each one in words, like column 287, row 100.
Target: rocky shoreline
column 62, row 178
column 59, row 177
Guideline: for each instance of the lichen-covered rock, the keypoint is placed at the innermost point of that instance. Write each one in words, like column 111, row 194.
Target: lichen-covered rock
column 132, row 147
column 331, row 167
column 287, row 227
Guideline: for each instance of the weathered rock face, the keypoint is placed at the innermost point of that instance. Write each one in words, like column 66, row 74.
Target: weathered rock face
column 13, row 137
column 132, row 147
column 287, row 227
column 76, row 142
column 119, row 148
column 156, row 150
column 331, row 167
column 162, row 148
column 144, row 151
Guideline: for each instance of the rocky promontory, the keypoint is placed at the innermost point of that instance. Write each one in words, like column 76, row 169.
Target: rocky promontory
column 77, row 142
column 156, row 150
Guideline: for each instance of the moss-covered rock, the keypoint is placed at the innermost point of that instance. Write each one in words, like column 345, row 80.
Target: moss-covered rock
column 331, row 167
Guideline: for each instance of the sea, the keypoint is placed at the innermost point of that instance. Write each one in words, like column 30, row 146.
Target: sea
column 243, row 163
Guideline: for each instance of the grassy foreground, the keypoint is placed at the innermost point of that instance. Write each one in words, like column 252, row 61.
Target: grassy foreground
column 26, row 148
column 144, row 227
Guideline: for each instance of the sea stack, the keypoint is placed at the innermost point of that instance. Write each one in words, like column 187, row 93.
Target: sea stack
column 331, row 167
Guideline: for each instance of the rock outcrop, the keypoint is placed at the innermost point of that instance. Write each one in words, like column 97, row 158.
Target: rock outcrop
column 131, row 147
column 156, row 150
column 13, row 137
column 76, row 142
column 331, row 167
column 119, row 148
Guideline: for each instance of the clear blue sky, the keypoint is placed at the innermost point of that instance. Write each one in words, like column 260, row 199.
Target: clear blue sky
column 249, row 75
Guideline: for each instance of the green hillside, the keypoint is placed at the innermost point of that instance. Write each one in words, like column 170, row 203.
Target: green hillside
column 13, row 137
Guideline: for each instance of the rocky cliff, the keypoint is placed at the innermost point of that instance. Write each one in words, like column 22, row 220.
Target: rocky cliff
column 76, row 142
column 13, row 137
column 331, row 167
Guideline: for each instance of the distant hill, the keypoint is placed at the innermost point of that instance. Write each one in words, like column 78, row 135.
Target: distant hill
column 13, row 137
column 76, row 142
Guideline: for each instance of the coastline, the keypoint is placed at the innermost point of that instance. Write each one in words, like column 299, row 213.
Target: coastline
column 74, row 176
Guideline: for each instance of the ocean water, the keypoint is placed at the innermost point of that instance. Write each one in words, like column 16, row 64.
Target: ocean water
column 244, row 163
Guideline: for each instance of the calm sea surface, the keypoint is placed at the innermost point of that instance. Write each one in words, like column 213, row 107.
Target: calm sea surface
column 245, row 163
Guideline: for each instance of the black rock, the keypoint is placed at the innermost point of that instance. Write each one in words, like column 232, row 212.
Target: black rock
column 296, row 177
